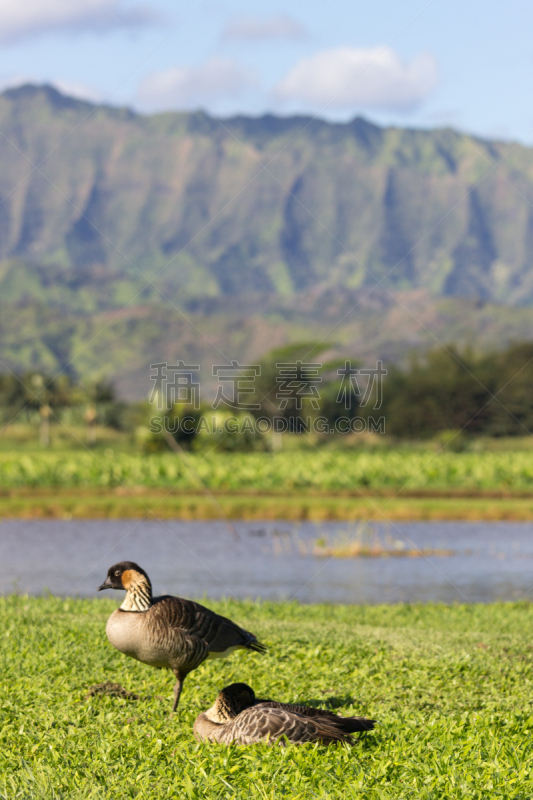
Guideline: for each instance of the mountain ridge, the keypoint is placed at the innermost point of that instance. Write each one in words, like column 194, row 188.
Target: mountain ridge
column 127, row 239
column 262, row 204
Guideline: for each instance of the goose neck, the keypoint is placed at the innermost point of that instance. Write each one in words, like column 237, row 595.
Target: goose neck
column 138, row 596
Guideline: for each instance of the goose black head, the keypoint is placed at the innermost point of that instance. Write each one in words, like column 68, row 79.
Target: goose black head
column 124, row 575
column 234, row 699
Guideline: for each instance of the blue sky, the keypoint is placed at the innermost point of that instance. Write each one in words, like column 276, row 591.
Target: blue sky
column 415, row 63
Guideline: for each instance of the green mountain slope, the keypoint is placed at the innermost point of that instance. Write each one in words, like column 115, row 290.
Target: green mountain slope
column 128, row 239
column 121, row 344
column 103, row 201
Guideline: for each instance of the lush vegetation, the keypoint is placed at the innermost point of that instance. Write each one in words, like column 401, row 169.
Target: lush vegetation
column 34, row 396
column 99, row 451
column 461, row 392
column 315, row 484
column 451, row 688
column 448, row 395
column 327, row 470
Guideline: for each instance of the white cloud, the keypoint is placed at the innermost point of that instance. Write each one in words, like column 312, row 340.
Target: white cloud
column 193, row 87
column 349, row 77
column 78, row 90
column 23, row 18
column 281, row 26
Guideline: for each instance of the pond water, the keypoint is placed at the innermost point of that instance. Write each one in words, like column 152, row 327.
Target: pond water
column 274, row 560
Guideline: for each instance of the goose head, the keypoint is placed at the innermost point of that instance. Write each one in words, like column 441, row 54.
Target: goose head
column 230, row 702
column 130, row 577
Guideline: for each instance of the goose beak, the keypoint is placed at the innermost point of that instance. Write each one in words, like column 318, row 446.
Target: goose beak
column 105, row 585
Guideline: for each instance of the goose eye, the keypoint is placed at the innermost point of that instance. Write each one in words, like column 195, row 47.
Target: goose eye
column 117, row 572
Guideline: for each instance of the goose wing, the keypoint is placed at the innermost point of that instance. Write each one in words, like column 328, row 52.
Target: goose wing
column 346, row 724
column 169, row 642
column 264, row 723
column 218, row 632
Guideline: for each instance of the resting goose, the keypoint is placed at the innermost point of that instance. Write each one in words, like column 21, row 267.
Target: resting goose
column 237, row 716
column 168, row 631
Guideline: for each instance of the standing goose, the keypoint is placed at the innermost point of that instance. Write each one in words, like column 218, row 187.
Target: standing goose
column 168, row 631
column 237, row 716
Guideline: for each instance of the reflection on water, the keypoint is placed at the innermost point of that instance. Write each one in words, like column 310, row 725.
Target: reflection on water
column 490, row 561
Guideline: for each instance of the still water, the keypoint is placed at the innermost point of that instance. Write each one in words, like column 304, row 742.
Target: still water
column 273, row 560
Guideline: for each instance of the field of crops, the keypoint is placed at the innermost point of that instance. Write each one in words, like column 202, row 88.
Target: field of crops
column 451, row 688
column 323, row 470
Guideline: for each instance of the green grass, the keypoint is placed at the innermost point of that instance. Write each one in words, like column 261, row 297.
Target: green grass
column 316, row 484
column 323, row 470
column 67, row 504
column 450, row 686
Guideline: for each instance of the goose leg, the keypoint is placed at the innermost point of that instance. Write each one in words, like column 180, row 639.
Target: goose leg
column 180, row 677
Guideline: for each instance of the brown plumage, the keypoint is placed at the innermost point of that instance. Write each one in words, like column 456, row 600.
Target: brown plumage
column 237, row 716
column 168, row 631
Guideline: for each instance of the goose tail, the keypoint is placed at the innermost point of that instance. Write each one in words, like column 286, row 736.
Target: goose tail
column 327, row 732
column 356, row 724
column 257, row 646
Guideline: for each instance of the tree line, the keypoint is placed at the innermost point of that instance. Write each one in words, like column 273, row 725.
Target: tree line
column 449, row 389
column 445, row 390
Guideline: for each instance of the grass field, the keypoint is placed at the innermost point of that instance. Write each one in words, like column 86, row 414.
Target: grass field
column 323, row 470
column 66, row 504
column 395, row 484
column 451, row 688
